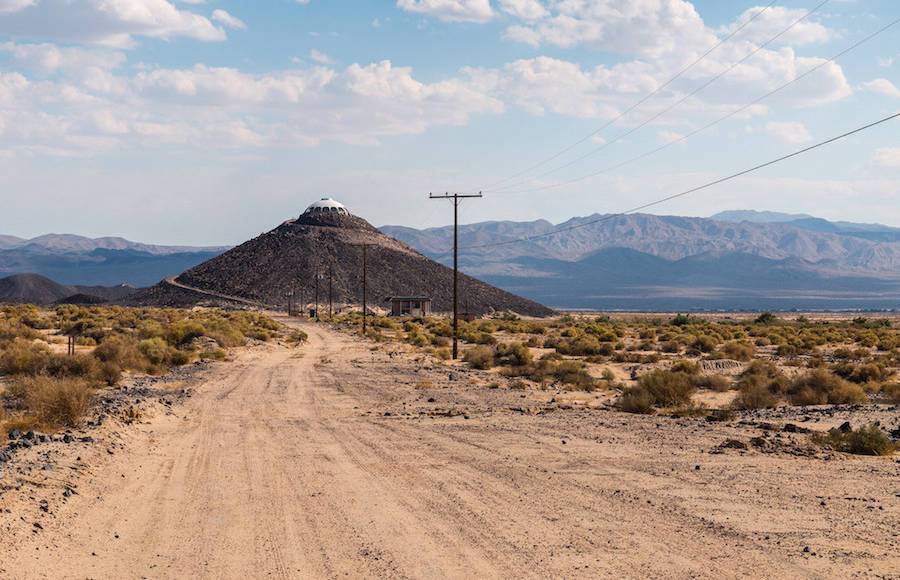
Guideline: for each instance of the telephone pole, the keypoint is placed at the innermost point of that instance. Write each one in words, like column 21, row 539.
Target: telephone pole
column 456, row 197
column 317, row 294
column 365, row 246
column 330, row 280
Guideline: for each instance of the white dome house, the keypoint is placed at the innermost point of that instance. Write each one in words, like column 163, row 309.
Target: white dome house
column 326, row 206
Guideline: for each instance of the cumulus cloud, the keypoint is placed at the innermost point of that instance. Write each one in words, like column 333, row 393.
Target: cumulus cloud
column 226, row 19
column 788, row 131
column 883, row 87
column 113, row 23
column 225, row 107
column 450, row 10
column 887, row 156
column 772, row 21
column 524, row 9
column 47, row 58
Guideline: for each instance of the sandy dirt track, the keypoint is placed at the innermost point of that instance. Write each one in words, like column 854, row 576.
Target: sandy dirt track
column 285, row 464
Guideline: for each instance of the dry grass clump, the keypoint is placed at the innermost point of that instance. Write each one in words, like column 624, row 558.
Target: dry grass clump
column 53, row 402
column 716, row 383
column 513, row 354
column 480, row 357
column 660, row 388
column 865, row 440
column 740, row 351
column 819, row 386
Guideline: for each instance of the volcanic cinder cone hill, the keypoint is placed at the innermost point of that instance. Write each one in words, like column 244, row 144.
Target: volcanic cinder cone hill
column 268, row 267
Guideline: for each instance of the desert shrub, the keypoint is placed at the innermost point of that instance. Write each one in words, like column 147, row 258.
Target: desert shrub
column 54, row 402
column 765, row 318
column 891, row 392
column 819, row 386
column 670, row 346
column 685, row 366
column 705, row 343
column 741, row 351
column 443, row 353
column 78, row 365
column 184, row 331
column 585, row 345
column 480, row 357
column 667, row 388
column 440, row 341
column 608, row 375
column 869, row 372
column 155, row 350
column 424, row 385
column 217, row 354
column 635, row 400
column 685, row 320
column 573, row 373
column 12, row 329
column 712, row 382
column 513, row 354
column 763, row 373
column 865, row 440
column 121, row 350
column 22, row 356
column 763, row 341
column 755, row 397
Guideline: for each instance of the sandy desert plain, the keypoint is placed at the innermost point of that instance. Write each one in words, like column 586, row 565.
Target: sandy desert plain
column 225, row 444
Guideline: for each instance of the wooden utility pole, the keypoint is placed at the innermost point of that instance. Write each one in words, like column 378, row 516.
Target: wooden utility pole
column 365, row 246
column 330, row 280
column 456, row 197
column 317, row 294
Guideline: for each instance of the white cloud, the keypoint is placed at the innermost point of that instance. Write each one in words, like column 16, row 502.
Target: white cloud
column 15, row 5
column 883, row 87
column 108, row 22
column 788, row 131
column 775, row 19
column 47, row 58
column 451, row 10
column 226, row 19
column 887, row 156
column 376, row 23
column 320, row 57
column 666, row 137
column 885, row 62
column 225, row 107
column 524, row 9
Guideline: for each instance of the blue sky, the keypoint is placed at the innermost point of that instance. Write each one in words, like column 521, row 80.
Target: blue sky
column 208, row 122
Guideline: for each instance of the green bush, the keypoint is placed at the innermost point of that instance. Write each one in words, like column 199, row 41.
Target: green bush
column 513, row 354
column 667, row 388
column 866, row 440
column 819, row 386
column 740, row 351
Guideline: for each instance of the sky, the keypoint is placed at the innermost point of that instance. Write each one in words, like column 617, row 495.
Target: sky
column 209, row 122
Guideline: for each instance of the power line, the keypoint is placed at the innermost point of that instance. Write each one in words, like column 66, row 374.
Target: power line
column 688, row 191
column 715, row 122
column 675, row 104
column 641, row 101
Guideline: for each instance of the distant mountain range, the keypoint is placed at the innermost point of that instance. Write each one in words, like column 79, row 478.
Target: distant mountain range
column 71, row 259
column 734, row 260
column 37, row 289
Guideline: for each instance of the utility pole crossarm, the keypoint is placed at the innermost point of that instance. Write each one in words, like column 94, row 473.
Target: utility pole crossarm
column 456, row 197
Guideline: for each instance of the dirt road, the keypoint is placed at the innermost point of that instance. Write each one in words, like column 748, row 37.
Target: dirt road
column 314, row 463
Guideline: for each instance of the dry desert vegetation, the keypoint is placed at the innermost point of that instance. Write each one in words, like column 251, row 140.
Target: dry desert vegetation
column 208, row 443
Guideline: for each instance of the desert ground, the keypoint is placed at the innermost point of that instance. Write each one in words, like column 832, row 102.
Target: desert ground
column 343, row 458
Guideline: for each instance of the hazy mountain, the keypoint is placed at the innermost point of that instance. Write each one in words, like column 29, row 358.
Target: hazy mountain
column 71, row 259
column 874, row 232
column 760, row 217
column 37, row 289
column 641, row 261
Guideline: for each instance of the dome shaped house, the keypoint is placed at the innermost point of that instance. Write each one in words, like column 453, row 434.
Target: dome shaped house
column 326, row 205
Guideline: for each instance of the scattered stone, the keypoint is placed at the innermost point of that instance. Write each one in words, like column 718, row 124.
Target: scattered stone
column 845, row 427
column 733, row 444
